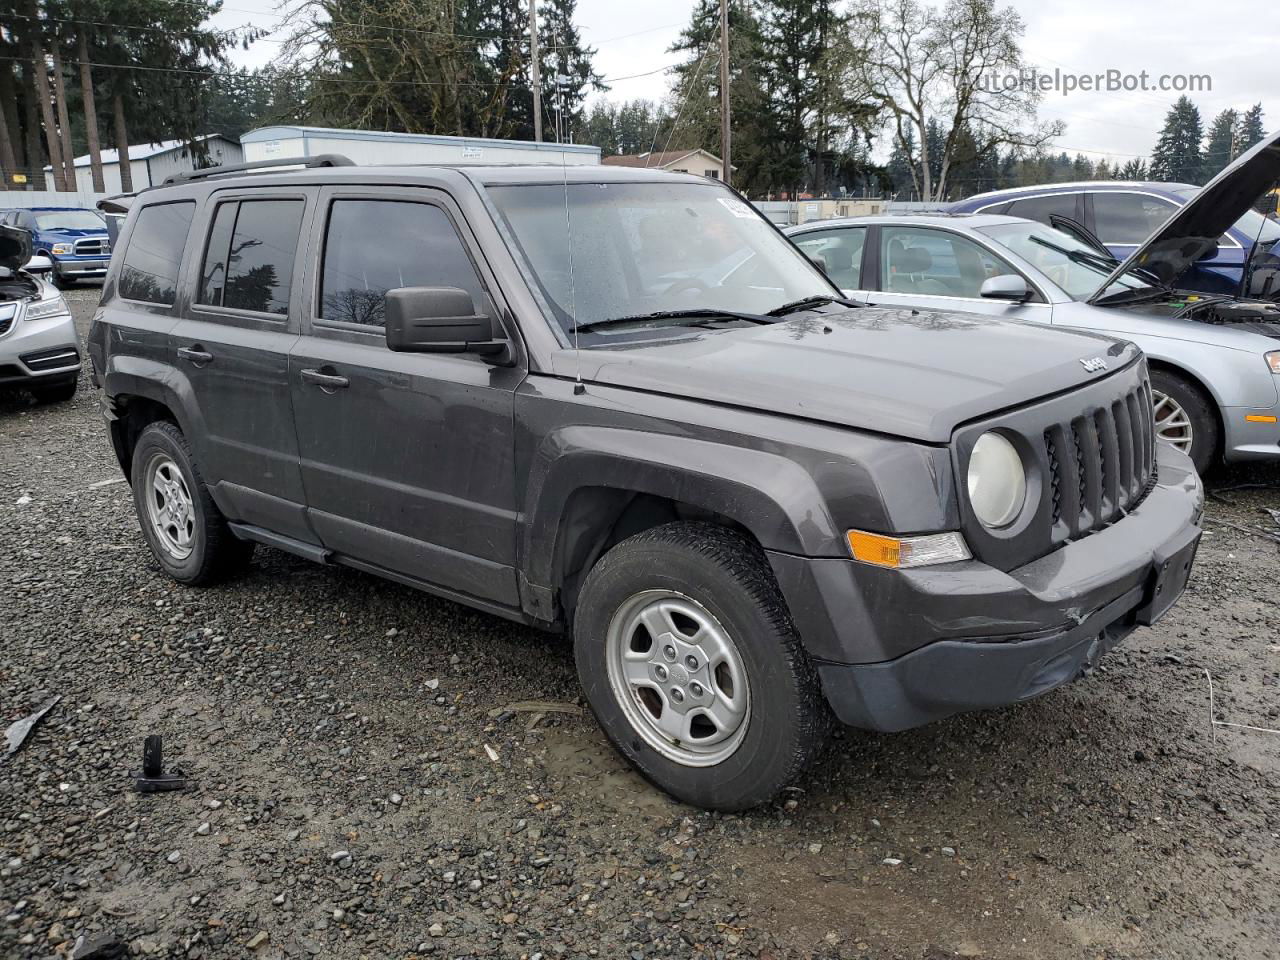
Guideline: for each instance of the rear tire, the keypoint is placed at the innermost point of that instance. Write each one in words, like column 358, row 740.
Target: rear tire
column 58, row 393
column 723, row 666
column 187, row 534
column 1187, row 418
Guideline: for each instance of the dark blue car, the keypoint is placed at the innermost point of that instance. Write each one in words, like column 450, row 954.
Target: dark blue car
column 1122, row 214
column 75, row 240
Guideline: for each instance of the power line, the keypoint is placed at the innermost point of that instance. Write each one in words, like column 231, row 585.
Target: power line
column 372, row 27
column 226, row 75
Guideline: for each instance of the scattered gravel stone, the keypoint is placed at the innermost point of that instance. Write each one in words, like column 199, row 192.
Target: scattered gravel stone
column 296, row 713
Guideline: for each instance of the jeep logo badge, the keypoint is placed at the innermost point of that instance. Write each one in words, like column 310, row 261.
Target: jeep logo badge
column 1094, row 364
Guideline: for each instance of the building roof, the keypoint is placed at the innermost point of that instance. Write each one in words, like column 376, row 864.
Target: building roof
column 660, row 159
column 142, row 151
column 339, row 133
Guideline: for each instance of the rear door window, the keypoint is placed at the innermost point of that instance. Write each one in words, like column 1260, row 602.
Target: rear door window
column 248, row 263
column 1128, row 218
column 1041, row 208
column 372, row 246
column 154, row 255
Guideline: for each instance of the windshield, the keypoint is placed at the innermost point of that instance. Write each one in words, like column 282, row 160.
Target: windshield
column 641, row 248
column 1077, row 268
column 70, row 220
column 1253, row 224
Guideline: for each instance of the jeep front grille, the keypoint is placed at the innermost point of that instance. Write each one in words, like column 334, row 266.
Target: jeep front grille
column 1090, row 458
column 1100, row 465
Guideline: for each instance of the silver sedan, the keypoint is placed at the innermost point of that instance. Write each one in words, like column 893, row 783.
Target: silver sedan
column 1214, row 361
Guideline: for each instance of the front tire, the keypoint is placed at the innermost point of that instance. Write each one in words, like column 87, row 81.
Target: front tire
column 187, row 534
column 693, row 668
column 1186, row 418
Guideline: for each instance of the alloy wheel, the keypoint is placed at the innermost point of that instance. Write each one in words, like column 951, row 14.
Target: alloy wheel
column 169, row 507
column 679, row 677
column 1172, row 422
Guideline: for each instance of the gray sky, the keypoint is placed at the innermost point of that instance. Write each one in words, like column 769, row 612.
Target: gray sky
column 1232, row 41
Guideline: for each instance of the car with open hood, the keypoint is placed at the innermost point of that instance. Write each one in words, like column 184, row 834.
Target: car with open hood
column 618, row 403
column 38, row 344
column 1122, row 214
column 1214, row 359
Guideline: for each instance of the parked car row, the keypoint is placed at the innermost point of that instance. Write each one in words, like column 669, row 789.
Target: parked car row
column 619, row 403
column 1214, row 357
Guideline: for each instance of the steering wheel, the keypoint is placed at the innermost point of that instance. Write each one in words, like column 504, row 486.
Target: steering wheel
column 688, row 283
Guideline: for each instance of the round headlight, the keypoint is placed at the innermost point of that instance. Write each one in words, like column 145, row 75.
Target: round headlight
column 997, row 481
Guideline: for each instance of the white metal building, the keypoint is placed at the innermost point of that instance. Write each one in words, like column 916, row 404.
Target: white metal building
column 375, row 147
column 150, row 163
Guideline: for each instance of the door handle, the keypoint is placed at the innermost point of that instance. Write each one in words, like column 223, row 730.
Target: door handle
column 195, row 354
column 326, row 381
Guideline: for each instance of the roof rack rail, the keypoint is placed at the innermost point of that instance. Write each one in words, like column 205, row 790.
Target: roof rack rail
column 320, row 160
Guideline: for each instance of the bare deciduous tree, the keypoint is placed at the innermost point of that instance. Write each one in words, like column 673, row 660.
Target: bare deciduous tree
column 919, row 64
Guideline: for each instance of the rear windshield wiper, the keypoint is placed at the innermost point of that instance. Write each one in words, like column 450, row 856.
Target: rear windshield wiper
column 807, row 303
column 694, row 313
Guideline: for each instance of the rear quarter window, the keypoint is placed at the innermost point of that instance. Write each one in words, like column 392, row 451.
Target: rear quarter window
column 154, row 256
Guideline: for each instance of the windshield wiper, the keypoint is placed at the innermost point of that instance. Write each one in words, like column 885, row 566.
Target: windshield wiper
column 807, row 303
column 693, row 313
column 1105, row 264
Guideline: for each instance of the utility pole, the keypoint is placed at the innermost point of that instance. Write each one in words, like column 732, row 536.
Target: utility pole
column 535, row 68
column 724, row 91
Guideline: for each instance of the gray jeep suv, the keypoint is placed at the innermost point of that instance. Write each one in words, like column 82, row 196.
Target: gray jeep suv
column 619, row 403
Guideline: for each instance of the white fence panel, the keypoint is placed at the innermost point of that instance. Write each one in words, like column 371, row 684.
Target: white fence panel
column 49, row 198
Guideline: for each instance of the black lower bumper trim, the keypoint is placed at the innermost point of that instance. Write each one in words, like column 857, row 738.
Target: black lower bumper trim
column 955, row 676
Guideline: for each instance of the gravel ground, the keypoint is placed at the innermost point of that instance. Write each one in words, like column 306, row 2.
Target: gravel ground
column 359, row 790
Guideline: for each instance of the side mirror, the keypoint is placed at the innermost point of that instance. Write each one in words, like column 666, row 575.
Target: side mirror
column 39, row 265
column 819, row 261
column 1009, row 286
column 438, row 320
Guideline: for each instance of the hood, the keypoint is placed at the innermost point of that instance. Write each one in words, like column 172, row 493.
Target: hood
column 74, row 233
column 15, row 247
column 1193, row 231
column 910, row 373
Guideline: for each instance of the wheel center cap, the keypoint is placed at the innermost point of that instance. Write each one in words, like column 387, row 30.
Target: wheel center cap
column 678, row 674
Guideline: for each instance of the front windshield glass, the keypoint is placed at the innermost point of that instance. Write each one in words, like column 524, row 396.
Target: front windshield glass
column 70, row 220
column 1077, row 268
column 1253, row 224
column 641, row 248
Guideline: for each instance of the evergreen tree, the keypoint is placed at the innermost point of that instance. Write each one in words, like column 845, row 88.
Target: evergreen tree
column 1251, row 130
column 901, row 167
column 796, row 36
column 1221, row 148
column 568, row 76
column 695, row 95
column 1135, row 169
column 1176, row 157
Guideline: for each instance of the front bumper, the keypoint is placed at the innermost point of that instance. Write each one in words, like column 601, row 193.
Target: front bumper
column 1251, row 433
column 73, row 266
column 899, row 648
column 39, row 351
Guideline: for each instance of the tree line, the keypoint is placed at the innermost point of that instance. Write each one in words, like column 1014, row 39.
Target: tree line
column 74, row 72
column 816, row 86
